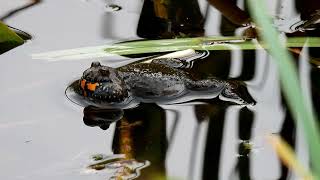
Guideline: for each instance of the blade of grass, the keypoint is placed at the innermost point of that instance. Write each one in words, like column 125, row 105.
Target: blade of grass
column 149, row 46
column 216, row 40
column 167, row 45
column 301, row 110
column 180, row 41
column 287, row 156
column 78, row 53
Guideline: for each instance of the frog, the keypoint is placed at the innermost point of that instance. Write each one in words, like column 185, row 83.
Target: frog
column 162, row 80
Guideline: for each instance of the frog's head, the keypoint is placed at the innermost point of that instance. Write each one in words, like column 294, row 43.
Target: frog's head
column 103, row 83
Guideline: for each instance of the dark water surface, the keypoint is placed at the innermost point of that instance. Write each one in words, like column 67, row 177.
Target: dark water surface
column 45, row 136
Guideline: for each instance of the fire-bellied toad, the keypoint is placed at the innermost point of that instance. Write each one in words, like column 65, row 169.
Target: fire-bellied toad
column 162, row 80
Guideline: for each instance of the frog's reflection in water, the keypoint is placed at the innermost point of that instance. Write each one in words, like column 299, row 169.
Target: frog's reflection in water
column 140, row 135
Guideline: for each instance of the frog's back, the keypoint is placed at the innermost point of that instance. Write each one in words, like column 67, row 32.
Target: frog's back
column 149, row 82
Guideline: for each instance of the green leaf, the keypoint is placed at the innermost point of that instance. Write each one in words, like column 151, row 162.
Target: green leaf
column 8, row 39
column 147, row 46
column 168, row 45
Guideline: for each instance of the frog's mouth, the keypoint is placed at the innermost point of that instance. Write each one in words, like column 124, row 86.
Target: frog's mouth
column 103, row 91
column 81, row 94
column 102, row 83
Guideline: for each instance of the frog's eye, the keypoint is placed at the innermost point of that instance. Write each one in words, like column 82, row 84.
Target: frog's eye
column 95, row 64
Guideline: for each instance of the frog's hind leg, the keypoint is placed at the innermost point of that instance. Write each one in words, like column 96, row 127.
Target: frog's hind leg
column 210, row 84
column 232, row 91
column 237, row 92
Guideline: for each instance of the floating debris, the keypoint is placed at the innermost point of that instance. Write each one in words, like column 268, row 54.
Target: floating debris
column 113, row 7
column 98, row 157
column 120, row 167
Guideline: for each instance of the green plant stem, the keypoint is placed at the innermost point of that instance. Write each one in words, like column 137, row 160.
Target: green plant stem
column 201, row 43
column 299, row 107
column 169, row 45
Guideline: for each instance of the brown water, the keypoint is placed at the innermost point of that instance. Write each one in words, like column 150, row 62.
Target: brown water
column 43, row 135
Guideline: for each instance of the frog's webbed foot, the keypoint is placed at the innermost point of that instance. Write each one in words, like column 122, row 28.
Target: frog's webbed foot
column 237, row 92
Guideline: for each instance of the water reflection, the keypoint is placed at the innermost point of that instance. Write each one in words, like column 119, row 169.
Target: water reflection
column 215, row 112
column 169, row 19
column 19, row 9
column 307, row 7
column 93, row 116
column 139, row 137
column 142, row 137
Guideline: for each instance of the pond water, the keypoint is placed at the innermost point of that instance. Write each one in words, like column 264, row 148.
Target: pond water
column 44, row 136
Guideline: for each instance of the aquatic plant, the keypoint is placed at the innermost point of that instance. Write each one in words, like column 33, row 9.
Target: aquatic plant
column 288, row 156
column 298, row 104
column 168, row 45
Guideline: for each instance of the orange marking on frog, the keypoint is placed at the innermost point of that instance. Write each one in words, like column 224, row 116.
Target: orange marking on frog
column 92, row 86
column 83, row 83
